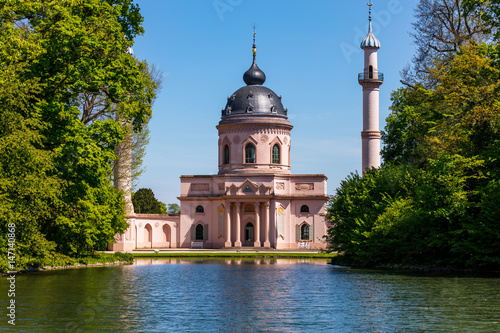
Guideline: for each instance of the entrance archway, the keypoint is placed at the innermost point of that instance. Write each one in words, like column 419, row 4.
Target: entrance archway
column 249, row 234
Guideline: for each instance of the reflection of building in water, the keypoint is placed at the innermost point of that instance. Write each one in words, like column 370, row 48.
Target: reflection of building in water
column 254, row 200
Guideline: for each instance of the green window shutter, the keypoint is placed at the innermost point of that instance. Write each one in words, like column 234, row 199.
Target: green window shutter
column 297, row 229
column 311, row 233
column 193, row 232
column 205, row 232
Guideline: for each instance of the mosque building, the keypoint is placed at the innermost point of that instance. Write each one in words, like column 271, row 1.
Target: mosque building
column 254, row 200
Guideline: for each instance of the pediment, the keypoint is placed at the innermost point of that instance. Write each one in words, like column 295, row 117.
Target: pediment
column 250, row 139
column 248, row 187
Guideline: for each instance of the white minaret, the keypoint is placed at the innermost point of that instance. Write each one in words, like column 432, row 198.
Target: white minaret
column 371, row 80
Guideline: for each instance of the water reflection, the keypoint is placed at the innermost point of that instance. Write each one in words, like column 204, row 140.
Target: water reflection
column 249, row 295
column 230, row 261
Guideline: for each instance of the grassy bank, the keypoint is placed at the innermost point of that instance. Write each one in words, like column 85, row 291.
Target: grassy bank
column 53, row 261
column 235, row 255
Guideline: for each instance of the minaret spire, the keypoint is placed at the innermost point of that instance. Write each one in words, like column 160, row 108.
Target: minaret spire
column 370, row 16
column 371, row 79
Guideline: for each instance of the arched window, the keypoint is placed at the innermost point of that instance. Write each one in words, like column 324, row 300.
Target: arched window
column 226, row 154
column 249, row 153
column 276, row 154
column 199, row 209
column 199, row 232
column 370, row 72
column 304, row 209
column 304, row 232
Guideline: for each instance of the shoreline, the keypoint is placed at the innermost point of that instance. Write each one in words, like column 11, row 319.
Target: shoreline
column 417, row 268
column 53, row 268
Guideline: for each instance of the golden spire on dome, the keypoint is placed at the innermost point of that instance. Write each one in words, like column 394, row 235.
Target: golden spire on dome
column 254, row 48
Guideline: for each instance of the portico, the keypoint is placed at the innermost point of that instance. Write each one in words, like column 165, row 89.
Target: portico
column 237, row 220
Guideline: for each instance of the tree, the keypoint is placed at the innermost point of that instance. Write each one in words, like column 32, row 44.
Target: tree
column 55, row 56
column 145, row 202
column 441, row 28
column 406, row 133
column 173, row 209
column 489, row 11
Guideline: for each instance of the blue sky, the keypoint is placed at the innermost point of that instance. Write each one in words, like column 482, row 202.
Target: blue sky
column 310, row 53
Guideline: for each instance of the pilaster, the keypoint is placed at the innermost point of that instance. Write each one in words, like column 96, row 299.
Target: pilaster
column 237, row 206
column 257, row 225
column 228, row 224
column 266, row 225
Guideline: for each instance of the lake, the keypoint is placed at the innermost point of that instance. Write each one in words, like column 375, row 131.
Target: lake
column 247, row 295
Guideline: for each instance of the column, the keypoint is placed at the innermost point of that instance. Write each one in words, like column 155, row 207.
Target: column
column 228, row 225
column 238, row 225
column 267, row 243
column 257, row 225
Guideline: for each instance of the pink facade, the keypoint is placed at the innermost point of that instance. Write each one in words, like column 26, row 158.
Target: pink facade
column 257, row 210
column 148, row 231
column 254, row 200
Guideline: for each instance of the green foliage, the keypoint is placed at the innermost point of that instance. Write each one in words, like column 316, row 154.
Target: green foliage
column 407, row 127
column 59, row 260
column 145, row 202
column 55, row 154
column 173, row 209
column 435, row 199
column 489, row 10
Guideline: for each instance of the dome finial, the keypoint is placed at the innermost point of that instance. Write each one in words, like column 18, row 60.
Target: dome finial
column 370, row 14
column 370, row 39
column 254, row 48
column 254, row 76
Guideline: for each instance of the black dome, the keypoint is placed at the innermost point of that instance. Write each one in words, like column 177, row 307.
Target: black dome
column 254, row 75
column 254, row 99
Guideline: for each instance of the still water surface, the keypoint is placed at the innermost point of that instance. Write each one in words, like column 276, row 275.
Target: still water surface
column 250, row 296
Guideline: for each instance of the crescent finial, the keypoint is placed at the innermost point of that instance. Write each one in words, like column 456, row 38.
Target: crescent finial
column 369, row 4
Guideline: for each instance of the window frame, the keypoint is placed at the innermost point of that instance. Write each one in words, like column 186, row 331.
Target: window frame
column 227, row 154
column 276, row 159
column 253, row 158
column 197, row 210
column 304, row 234
column 199, row 231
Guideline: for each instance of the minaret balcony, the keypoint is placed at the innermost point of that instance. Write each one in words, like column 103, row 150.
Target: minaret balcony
column 370, row 76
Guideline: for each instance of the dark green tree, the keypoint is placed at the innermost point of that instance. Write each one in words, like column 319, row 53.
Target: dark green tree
column 145, row 202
